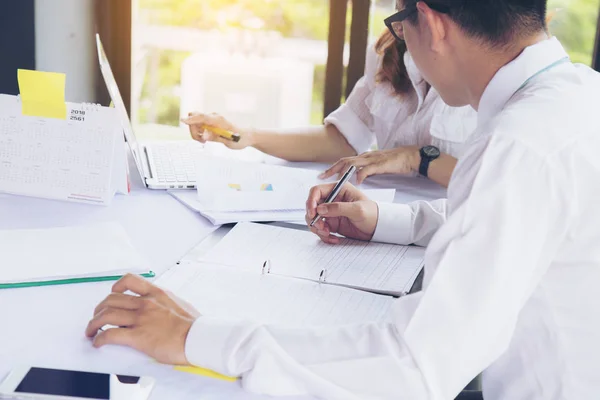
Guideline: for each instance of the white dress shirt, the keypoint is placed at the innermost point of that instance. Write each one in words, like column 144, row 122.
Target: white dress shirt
column 512, row 267
column 375, row 114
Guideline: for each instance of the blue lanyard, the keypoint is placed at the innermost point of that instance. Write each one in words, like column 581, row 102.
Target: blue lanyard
column 548, row 68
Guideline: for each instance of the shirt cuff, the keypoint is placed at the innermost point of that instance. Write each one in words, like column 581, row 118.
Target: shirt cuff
column 394, row 224
column 207, row 341
column 352, row 128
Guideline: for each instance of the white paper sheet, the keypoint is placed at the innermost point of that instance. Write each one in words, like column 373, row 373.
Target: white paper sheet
column 33, row 255
column 378, row 267
column 189, row 199
column 229, row 293
column 232, row 185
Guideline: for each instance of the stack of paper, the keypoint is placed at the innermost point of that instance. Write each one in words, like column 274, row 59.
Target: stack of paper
column 32, row 257
column 190, row 199
column 231, row 191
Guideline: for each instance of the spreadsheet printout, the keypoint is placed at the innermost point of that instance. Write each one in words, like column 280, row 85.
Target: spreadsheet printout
column 378, row 267
column 219, row 291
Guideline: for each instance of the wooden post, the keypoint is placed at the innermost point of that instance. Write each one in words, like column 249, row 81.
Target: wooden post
column 359, row 38
column 335, row 57
column 114, row 26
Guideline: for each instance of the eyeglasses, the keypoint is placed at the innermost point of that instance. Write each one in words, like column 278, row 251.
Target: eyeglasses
column 394, row 22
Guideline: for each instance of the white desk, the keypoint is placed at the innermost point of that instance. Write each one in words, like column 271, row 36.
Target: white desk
column 45, row 326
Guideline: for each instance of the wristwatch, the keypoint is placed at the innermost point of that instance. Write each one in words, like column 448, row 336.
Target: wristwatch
column 428, row 154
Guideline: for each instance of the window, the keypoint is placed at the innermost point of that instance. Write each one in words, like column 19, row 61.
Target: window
column 574, row 24
column 259, row 63
column 262, row 62
column 381, row 10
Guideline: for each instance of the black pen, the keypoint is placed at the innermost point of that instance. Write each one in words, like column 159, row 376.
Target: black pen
column 336, row 190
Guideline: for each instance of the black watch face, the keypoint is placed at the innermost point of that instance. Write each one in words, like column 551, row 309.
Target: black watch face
column 431, row 151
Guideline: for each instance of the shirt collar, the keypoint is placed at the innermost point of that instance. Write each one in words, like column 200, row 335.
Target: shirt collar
column 415, row 77
column 513, row 75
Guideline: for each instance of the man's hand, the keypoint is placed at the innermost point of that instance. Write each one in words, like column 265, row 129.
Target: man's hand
column 401, row 161
column 352, row 215
column 155, row 322
column 198, row 123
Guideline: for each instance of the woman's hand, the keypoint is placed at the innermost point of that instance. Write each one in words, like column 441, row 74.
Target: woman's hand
column 198, row 124
column 156, row 322
column 401, row 161
column 352, row 214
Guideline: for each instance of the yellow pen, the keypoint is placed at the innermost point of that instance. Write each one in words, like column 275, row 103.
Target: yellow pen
column 223, row 133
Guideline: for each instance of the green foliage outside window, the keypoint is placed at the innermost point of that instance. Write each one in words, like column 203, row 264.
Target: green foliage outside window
column 574, row 24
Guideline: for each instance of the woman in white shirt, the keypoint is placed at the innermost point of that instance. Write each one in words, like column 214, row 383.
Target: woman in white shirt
column 391, row 107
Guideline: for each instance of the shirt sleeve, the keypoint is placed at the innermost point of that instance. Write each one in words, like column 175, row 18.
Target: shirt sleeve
column 451, row 127
column 413, row 223
column 353, row 118
column 436, row 340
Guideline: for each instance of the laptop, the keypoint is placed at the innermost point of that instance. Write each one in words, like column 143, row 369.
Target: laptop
column 161, row 164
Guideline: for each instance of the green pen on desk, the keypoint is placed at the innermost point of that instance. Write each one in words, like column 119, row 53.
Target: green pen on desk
column 71, row 281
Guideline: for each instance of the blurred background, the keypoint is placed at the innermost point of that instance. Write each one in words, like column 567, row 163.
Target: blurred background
column 184, row 47
column 264, row 63
column 190, row 53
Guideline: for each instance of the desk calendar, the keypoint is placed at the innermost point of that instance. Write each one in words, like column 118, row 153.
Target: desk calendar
column 64, row 159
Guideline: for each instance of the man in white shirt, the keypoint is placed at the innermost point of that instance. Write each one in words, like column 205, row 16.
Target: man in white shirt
column 513, row 257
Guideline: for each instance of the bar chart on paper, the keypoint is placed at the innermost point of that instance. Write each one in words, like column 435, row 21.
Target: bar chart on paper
column 238, row 187
column 232, row 186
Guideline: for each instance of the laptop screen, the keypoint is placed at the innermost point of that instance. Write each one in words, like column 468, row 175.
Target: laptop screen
column 115, row 95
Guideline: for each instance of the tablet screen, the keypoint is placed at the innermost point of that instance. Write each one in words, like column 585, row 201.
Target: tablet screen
column 85, row 385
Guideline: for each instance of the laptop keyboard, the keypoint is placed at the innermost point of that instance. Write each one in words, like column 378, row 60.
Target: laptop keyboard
column 174, row 162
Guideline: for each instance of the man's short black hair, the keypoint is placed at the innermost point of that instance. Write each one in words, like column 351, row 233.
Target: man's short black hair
column 496, row 22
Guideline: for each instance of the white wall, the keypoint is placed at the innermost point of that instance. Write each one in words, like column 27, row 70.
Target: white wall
column 64, row 42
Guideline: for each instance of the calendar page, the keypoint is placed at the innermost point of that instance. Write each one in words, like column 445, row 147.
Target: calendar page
column 68, row 160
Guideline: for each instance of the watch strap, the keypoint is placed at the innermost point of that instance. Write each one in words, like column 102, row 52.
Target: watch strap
column 424, row 165
column 426, row 159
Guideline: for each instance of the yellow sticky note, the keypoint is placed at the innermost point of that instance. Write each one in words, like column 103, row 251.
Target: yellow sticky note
column 42, row 93
column 205, row 372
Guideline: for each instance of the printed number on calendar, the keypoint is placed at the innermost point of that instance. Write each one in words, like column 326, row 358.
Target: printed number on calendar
column 77, row 115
